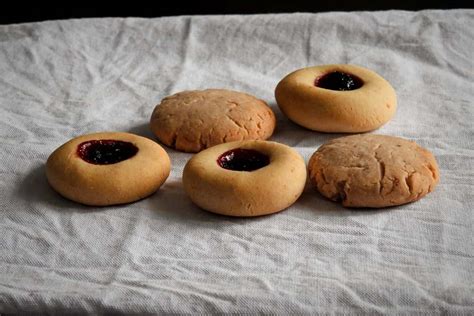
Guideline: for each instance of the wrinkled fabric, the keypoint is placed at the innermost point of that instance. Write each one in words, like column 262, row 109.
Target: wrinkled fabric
column 61, row 79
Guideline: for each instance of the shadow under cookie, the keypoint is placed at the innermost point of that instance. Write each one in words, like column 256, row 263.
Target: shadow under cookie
column 142, row 130
column 34, row 188
column 171, row 203
column 292, row 134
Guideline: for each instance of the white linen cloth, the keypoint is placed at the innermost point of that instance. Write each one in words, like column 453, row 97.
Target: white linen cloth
column 60, row 79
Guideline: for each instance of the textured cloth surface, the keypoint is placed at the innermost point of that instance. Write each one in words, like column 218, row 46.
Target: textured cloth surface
column 61, row 79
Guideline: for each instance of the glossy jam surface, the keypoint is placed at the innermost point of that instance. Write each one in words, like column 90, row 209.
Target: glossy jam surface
column 339, row 81
column 106, row 151
column 243, row 160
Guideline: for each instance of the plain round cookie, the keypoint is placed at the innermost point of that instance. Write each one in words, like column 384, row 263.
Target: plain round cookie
column 85, row 170
column 364, row 109
column 191, row 121
column 373, row 171
column 263, row 191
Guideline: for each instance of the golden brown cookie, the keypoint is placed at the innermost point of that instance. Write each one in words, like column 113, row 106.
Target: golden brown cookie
column 373, row 171
column 107, row 168
column 336, row 98
column 248, row 178
column 191, row 121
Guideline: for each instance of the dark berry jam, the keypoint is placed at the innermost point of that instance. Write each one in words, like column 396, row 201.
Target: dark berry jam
column 106, row 151
column 243, row 160
column 339, row 81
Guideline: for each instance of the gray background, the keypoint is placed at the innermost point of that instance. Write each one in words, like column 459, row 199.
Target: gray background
column 61, row 79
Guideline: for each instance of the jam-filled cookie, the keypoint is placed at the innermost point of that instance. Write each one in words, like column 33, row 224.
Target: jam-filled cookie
column 191, row 121
column 373, row 171
column 107, row 168
column 336, row 98
column 248, row 178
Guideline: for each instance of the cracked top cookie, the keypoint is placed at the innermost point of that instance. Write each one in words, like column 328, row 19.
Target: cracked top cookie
column 373, row 171
column 191, row 121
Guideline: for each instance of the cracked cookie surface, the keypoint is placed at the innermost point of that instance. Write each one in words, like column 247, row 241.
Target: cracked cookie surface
column 191, row 121
column 373, row 171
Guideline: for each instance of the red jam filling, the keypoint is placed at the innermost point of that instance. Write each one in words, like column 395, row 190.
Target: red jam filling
column 339, row 81
column 106, row 151
column 243, row 160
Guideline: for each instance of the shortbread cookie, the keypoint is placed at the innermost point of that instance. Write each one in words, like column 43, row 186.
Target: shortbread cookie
column 107, row 168
column 248, row 178
column 373, row 171
column 191, row 121
column 336, row 98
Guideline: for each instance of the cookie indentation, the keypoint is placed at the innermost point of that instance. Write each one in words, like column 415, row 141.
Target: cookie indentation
column 339, row 81
column 240, row 159
column 106, row 151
